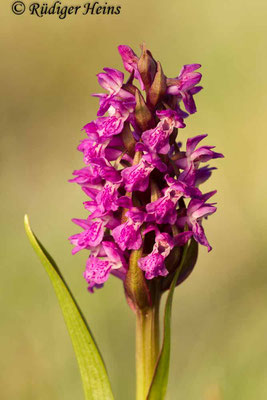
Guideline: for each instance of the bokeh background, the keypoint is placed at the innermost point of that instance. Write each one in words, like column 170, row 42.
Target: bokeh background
column 48, row 68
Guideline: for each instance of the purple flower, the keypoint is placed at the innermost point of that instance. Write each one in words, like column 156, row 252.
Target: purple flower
column 190, row 160
column 87, row 176
column 103, row 261
column 105, row 200
column 108, row 196
column 128, row 235
column 195, row 156
column 172, row 117
column 154, row 264
column 112, row 81
column 150, row 157
column 163, row 210
column 157, row 139
column 91, row 151
column 137, row 178
column 104, row 127
column 184, row 86
column 196, row 211
column 91, row 236
column 130, row 61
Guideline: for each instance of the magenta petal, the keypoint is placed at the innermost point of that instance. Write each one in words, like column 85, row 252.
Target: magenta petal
column 125, row 202
column 189, row 102
column 203, row 174
column 204, row 211
column 208, row 195
column 193, row 142
column 137, row 176
column 189, row 68
column 199, row 235
column 114, row 254
column 194, row 205
column 83, row 223
column 196, row 90
column 129, row 58
column 182, row 238
column 112, row 80
column 116, row 75
column 189, row 80
column 97, row 270
column 127, row 237
column 157, row 139
column 130, row 62
column 153, row 265
column 162, row 211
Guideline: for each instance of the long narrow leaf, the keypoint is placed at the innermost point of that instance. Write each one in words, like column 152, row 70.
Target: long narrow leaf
column 93, row 372
column 159, row 383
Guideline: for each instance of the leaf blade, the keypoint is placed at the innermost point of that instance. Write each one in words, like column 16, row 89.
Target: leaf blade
column 93, row 372
column 159, row 382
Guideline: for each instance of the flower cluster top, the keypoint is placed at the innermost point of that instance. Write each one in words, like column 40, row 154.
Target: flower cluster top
column 142, row 187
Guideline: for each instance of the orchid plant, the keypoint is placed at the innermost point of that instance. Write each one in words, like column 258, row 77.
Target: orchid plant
column 145, row 211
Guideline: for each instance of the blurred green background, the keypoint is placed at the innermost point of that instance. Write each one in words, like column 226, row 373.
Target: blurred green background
column 48, row 68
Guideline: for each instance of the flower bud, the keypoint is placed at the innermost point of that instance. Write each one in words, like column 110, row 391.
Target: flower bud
column 143, row 116
column 158, row 88
column 147, row 67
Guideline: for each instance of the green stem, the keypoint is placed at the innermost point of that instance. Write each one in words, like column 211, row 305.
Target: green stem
column 147, row 347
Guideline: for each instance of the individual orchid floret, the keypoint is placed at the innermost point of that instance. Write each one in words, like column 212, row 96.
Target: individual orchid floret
column 106, row 170
column 154, row 263
column 91, row 151
column 104, row 127
column 184, row 86
column 87, row 176
column 130, row 62
column 112, row 81
column 151, row 157
column 157, row 139
column 195, row 156
column 102, row 261
column 195, row 177
column 92, row 175
column 105, row 200
column 163, row 210
column 90, row 237
column 108, row 196
column 190, row 159
column 174, row 119
column 196, row 211
column 128, row 234
column 137, row 176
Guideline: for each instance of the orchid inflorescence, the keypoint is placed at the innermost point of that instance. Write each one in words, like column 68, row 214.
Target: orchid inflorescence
column 144, row 198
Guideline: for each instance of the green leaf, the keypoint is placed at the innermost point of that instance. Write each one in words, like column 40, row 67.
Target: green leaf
column 94, row 375
column 159, row 382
